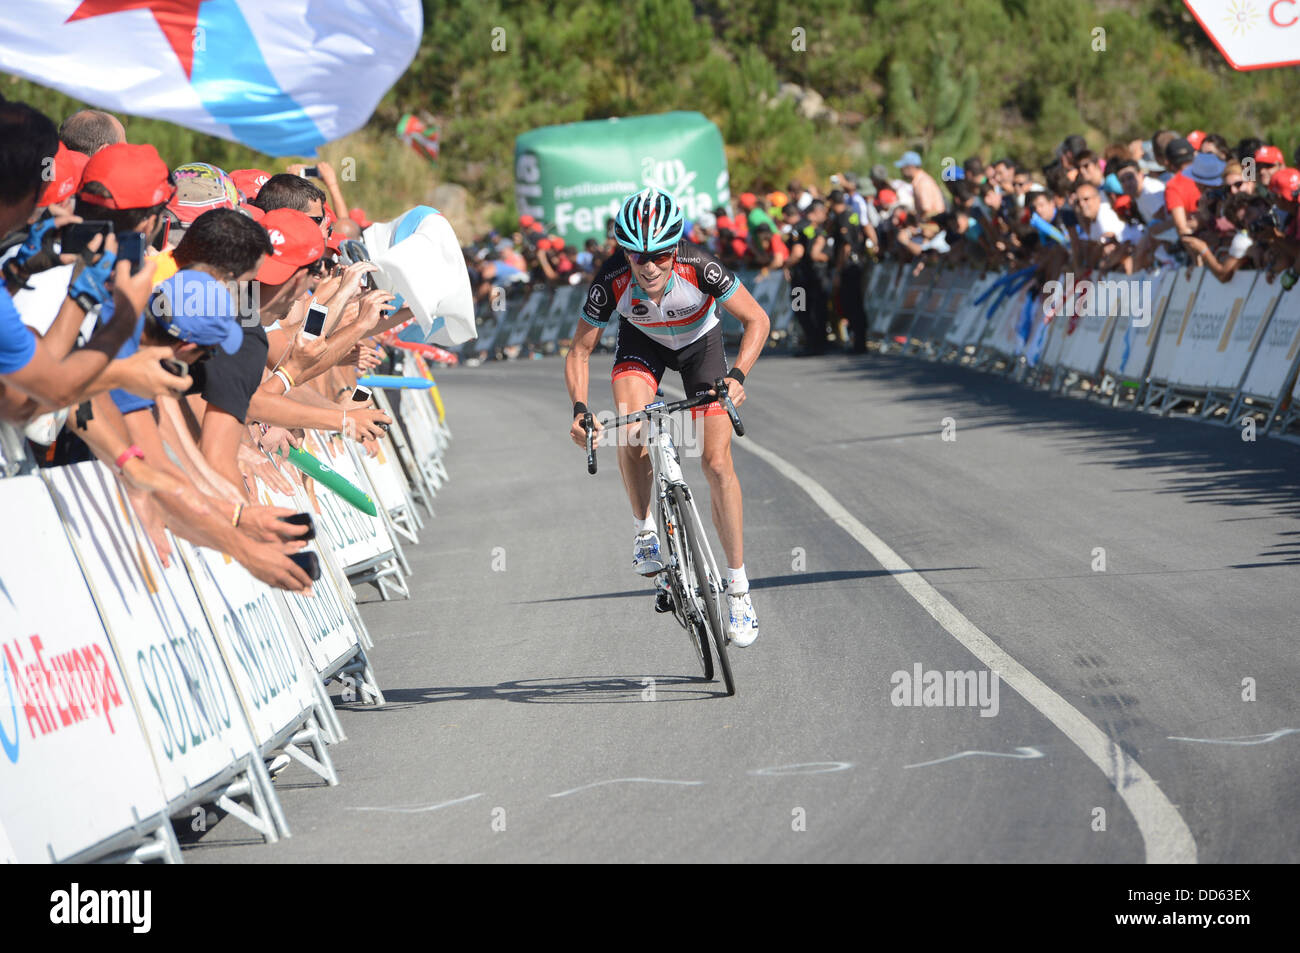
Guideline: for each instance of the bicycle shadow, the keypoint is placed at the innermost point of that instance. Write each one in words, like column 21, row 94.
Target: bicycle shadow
column 582, row 690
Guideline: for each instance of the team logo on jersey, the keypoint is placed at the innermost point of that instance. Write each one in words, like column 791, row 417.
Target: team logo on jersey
column 713, row 273
column 640, row 310
column 597, row 295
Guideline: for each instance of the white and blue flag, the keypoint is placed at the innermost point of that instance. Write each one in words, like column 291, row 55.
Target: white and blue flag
column 282, row 77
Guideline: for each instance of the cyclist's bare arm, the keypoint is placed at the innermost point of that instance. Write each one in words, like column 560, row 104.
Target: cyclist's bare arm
column 577, row 372
column 757, row 325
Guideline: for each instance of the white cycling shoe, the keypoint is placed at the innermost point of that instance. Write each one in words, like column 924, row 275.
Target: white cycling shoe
column 742, row 630
column 645, row 554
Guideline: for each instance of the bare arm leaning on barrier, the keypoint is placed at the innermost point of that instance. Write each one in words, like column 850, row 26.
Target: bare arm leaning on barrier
column 189, row 514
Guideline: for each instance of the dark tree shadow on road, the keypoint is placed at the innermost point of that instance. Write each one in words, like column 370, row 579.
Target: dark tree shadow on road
column 1206, row 463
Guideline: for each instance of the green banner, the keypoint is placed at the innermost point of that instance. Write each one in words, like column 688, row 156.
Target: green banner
column 573, row 177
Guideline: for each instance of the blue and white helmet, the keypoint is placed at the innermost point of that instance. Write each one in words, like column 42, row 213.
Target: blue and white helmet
column 649, row 221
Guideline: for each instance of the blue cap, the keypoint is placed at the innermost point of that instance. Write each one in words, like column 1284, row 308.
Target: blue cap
column 197, row 308
column 909, row 158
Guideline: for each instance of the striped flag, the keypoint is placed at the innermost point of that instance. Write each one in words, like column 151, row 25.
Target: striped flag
column 282, row 77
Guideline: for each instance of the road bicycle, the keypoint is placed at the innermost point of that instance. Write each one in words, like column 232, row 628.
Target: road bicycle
column 694, row 584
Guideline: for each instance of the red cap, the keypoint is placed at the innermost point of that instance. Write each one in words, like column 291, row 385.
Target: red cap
column 1121, row 203
column 334, row 240
column 526, row 221
column 1285, row 184
column 1269, row 155
column 886, row 197
column 359, row 216
column 250, row 181
column 68, row 166
column 135, row 175
column 296, row 241
column 748, row 200
column 330, row 218
column 1196, row 137
column 536, row 227
column 724, row 221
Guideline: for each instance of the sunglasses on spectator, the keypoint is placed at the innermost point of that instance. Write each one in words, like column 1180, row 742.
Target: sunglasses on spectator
column 317, row 268
column 318, row 219
column 658, row 257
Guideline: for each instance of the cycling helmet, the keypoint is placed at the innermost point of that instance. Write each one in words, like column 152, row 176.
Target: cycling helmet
column 649, row 221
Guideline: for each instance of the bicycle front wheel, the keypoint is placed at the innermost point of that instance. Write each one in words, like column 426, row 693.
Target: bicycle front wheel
column 707, row 580
column 690, row 609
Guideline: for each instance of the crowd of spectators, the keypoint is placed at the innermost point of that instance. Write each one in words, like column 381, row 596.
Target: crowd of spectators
column 153, row 318
column 1187, row 199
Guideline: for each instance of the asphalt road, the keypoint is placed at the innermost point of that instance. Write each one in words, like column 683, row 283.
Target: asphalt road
column 518, row 726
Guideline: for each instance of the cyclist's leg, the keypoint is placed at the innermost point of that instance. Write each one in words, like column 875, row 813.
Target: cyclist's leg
column 637, row 371
column 701, row 364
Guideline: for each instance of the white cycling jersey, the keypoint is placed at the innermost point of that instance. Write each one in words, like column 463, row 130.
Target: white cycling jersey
column 688, row 309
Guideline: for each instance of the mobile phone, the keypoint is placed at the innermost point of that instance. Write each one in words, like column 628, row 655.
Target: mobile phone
column 311, row 172
column 302, row 519
column 130, row 247
column 362, row 393
column 174, row 366
column 75, row 237
column 315, row 323
column 308, row 563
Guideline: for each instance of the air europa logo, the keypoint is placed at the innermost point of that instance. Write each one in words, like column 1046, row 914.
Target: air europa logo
column 62, row 690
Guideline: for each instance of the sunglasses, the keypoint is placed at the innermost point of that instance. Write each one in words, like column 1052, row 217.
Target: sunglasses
column 659, row 257
column 317, row 268
column 318, row 219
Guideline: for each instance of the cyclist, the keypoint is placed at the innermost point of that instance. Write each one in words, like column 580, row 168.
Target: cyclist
column 667, row 292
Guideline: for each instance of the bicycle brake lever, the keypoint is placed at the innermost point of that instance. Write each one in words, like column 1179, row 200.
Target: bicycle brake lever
column 591, row 447
column 724, row 396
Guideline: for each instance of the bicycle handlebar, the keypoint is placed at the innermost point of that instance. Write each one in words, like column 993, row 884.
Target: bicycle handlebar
column 720, row 394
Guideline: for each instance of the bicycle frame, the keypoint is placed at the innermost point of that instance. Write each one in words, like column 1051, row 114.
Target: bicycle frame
column 698, row 591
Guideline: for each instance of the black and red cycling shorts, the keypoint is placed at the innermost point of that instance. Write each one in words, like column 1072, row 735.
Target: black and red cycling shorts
column 701, row 362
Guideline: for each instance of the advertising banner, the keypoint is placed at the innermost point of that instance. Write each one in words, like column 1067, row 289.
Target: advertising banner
column 75, row 768
column 575, row 176
column 187, row 703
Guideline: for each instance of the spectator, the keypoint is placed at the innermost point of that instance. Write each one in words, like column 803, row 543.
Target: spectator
column 900, row 189
column 850, row 250
column 808, row 264
column 52, row 374
column 1182, row 194
column 925, row 191
column 89, row 130
column 1159, row 144
column 1268, row 160
column 767, row 252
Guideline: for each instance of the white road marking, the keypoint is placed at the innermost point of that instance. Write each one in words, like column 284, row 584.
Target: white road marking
column 596, row 784
column 418, row 809
column 1026, row 753
column 1244, row 739
column 1165, row 835
column 807, row 767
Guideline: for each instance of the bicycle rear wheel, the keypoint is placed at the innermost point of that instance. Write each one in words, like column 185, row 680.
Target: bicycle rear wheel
column 690, row 609
column 707, row 579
